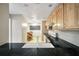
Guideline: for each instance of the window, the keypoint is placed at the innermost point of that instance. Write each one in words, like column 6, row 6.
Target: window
column 34, row 27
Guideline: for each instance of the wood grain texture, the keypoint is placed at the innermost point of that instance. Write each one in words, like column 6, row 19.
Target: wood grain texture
column 65, row 16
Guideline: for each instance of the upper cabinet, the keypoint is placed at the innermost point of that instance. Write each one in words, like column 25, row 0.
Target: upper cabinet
column 59, row 16
column 54, row 21
column 77, row 9
column 65, row 16
column 70, row 16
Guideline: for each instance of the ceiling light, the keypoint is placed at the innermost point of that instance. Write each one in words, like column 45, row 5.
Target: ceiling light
column 34, row 24
column 50, row 5
column 24, row 24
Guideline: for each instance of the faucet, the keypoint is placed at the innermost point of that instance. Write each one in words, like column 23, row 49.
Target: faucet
column 56, row 36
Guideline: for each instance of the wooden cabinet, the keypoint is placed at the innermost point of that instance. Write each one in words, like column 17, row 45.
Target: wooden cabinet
column 70, row 16
column 77, row 9
column 59, row 16
column 54, row 21
column 65, row 16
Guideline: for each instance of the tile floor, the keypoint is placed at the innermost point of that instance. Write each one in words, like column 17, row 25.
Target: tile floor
column 18, row 51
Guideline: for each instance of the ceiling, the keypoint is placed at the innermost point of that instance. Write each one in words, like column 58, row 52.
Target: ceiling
column 38, row 11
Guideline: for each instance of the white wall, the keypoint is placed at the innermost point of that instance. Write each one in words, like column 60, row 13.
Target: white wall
column 4, row 23
column 17, row 29
column 25, row 29
column 70, row 36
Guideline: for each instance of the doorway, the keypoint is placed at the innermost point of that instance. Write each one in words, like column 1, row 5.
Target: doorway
column 32, row 34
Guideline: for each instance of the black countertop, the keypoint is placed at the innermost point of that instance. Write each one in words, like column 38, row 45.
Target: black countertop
column 57, row 42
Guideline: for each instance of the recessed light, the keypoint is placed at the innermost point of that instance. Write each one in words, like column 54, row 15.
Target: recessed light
column 50, row 5
column 34, row 24
column 24, row 24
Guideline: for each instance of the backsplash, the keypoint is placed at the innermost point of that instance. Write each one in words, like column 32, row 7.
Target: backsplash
column 70, row 36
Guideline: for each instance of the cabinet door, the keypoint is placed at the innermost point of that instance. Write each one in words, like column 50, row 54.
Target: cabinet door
column 54, row 21
column 59, row 16
column 70, row 19
column 77, row 9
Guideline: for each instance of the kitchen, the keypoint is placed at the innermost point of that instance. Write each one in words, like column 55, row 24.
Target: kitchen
column 62, row 24
column 39, row 29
